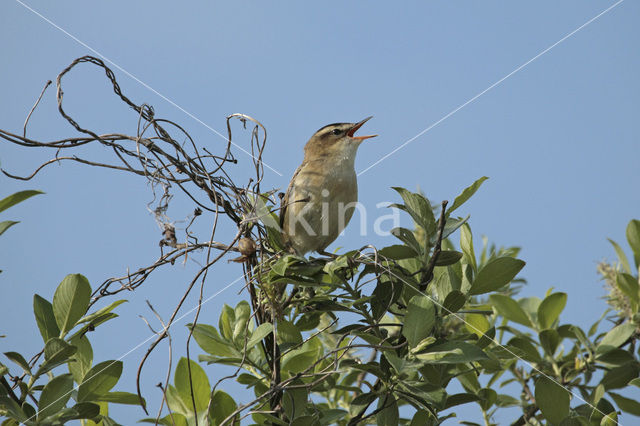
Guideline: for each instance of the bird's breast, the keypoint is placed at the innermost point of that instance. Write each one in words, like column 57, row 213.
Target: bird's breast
column 331, row 184
column 320, row 204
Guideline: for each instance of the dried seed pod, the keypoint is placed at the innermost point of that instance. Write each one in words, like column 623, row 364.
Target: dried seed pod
column 247, row 246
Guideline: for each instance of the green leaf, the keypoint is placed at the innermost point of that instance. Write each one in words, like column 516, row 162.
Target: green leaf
column 100, row 312
column 309, row 321
column 452, row 226
column 274, row 235
column 248, row 379
column 6, row 225
column 422, row 393
column 477, row 324
column 579, row 334
column 211, row 342
column 175, row 402
column 301, row 358
column 445, row 281
column 304, row 421
column 552, row 399
column 619, row 377
column 16, row 198
column 530, row 306
column 504, row 401
column 222, row 405
column 361, row 401
column 398, row 252
column 56, row 352
column 407, row 237
column 99, row 380
column 84, row 410
column 419, row 208
column 294, row 402
column 13, row 409
column 509, row 308
column 19, row 359
column 615, row 337
column 287, row 332
column 121, row 398
column 226, row 321
column 469, row 380
column 460, row 399
column 466, row 245
column 331, row 416
column 81, row 331
column 384, row 295
column 615, row 357
column 419, row 320
column 388, row 414
column 71, row 301
column 496, row 274
column 281, row 265
column 633, row 237
column 448, row 257
column 487, row 338
column 43, row 310
column 487, row 397
column 550, row 309
column 621, row 256
column 55, row 395
column 422, row 418
column 611, row 419
column 628, row 405
column 628, row 284
column 197, row 382
column 28, row 409
column 401, row 365
column 466, row 194
column 453, row 353
column 453, row 302
column 108, row 421
column 523, row 348
column 597, row 394
column 242, row 313
column 549, row 339
column 259, row 333
column 270, row 221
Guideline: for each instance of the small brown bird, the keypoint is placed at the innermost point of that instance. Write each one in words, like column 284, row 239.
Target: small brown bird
column 323, row 192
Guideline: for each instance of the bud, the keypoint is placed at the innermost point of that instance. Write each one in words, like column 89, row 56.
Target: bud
column 247, row 247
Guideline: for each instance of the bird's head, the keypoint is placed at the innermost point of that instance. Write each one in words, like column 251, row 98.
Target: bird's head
column 337, row 139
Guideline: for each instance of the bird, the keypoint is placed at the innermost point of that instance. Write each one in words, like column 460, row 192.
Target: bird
column 323, row 191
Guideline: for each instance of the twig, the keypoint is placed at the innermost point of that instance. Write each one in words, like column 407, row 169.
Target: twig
column 26, row 121
column 428, row 276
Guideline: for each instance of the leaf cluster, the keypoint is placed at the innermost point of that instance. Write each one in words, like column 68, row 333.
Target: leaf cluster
column 41, row 391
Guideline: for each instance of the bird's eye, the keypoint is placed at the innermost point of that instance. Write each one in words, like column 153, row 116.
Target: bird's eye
column 336, row 131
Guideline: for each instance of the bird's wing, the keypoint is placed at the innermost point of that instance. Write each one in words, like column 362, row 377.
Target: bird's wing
column 285, row 200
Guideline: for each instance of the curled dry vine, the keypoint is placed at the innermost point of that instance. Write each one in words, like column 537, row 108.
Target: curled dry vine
column 164, row 154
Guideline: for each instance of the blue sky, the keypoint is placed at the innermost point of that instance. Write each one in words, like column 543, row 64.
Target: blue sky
column 558, row 139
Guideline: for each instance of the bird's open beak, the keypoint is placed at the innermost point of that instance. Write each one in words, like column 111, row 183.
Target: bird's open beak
column 356, row 126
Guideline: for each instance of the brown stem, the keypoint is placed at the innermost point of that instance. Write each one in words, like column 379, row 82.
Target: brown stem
column 26, row 122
